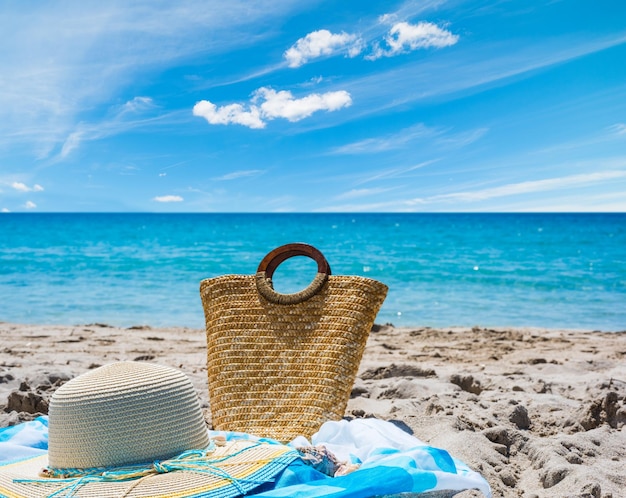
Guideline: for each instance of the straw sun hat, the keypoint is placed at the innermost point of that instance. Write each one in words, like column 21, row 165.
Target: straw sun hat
column 134, row 429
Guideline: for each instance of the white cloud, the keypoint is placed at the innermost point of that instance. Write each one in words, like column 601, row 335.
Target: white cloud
column 405, row 37
column 267, row 104
column 4, row 210
column 232, row 113
column 22, row 187
column 322, row 43
column 402, row 37
column 283, row 105
column 30, row 205
column 168, row 198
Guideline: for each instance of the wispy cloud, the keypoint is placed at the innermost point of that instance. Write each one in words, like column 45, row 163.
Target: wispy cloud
column 30, row 205
column 461, row 139
column 618, row 129
column 170, row 166
column 387, row 142
column 139, row 112
column 395, row 172
column 168, row 198
column 64, row 60
column 436, row 136
column 267, row 104
column 235, row 175
column 563, row 196
column 381, row 206
column 468, row 69
column 137, row 105
column 411, row 9
column 605, row 201
column 606, row 135
column 362, row 192
column 322, row 43
column 528, row 187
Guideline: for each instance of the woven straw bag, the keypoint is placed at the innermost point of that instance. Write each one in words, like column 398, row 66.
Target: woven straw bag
column 280, row 365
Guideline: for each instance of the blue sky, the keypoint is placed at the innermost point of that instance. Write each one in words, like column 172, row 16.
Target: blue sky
column 340, row 106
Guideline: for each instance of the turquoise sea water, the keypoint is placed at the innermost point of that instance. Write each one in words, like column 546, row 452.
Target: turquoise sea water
column 546, row 270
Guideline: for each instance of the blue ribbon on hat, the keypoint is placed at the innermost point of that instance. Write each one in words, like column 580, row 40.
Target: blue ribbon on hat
column 199, row 461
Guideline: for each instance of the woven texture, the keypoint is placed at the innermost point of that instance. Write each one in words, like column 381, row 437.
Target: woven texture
column 123, row 413
column 281, row 370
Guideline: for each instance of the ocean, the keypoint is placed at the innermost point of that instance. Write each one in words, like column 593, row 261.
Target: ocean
column 491, row 270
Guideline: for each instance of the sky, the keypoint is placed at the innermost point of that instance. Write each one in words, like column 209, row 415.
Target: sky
column 313, row 106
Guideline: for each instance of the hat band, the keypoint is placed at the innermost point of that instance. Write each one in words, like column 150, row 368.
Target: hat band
column 199, row 461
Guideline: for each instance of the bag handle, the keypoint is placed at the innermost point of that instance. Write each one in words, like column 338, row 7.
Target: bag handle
column 274, row 258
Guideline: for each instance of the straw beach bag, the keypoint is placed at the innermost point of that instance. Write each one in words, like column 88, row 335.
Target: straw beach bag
column 280, row 365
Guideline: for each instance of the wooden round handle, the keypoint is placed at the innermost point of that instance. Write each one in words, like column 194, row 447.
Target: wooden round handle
column 273, row 259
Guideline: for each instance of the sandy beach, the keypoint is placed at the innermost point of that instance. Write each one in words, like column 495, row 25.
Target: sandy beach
column 540, row 413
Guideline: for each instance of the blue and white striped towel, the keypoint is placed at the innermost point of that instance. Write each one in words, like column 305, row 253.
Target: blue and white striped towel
column 391, row 461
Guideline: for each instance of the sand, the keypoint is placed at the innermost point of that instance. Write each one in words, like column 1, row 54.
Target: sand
column 540, row 413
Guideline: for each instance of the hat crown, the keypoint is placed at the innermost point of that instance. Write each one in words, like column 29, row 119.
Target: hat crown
column 124, row 413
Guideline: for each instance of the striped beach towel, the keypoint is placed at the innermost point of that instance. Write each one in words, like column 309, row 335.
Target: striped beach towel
column 390, row 462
